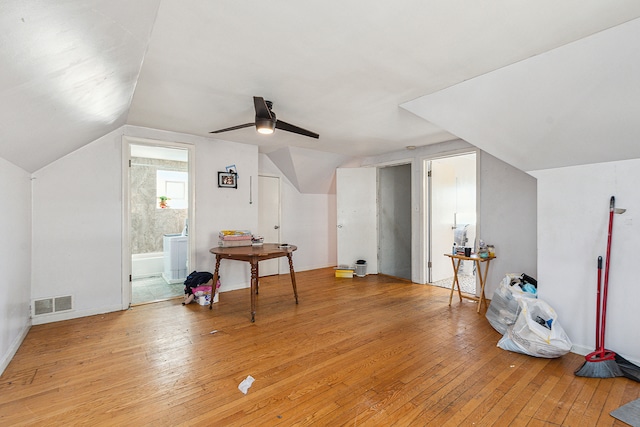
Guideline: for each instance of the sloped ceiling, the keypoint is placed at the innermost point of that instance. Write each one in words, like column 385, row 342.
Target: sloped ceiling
column 69, row 69
column 310, row 171
column 577, row 104
column 75, row 70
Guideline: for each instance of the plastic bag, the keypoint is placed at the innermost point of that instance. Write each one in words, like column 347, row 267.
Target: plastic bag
column 504, row 308
column 536, row 331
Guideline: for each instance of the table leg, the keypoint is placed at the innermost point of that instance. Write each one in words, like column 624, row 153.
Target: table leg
column 483, row 280
column 214, row 288
column 257, row 278
column 254, row 288
column 455, row 280
column 293, row 277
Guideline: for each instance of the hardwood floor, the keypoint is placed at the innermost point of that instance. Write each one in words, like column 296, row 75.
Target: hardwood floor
column 370, row 351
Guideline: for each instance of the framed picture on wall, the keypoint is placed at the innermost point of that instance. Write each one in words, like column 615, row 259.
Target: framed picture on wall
column 227, row 180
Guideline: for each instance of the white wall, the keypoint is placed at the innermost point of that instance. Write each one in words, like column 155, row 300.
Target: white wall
column 77, row 236
column 573, row 218
column 15, row 259
column 307, row 221
column 507, row 218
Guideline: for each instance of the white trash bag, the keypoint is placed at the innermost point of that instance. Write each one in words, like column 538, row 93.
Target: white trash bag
column 504, row 308
column 536, row 331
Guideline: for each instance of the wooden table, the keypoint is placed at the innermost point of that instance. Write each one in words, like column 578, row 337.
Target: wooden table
column 253, row 255
column 455, row 261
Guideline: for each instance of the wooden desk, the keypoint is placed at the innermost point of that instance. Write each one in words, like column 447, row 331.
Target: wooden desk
column 253, row 255
column 455, row 261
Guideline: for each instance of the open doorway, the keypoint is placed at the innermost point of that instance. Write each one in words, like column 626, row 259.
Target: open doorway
column 394, row 220
column 159, row 192
column 451, row 199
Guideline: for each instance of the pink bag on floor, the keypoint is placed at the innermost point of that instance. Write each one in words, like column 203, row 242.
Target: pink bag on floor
column 206, row 288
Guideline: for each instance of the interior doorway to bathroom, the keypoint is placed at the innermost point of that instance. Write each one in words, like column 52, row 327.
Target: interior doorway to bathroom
column 451, row 207
column 159, row 201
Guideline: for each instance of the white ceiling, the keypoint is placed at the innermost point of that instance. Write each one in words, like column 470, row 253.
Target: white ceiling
column 503, row 75
column 577, row 104
column 69, row 69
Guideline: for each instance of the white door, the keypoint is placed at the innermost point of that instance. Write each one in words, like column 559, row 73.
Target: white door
column 442, row 209
column 269, row 219
column 357, row 232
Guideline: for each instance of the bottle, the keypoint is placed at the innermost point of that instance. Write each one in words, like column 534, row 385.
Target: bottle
column 482, row 249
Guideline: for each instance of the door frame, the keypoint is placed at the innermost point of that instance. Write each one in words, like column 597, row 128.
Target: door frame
column 126, row 208
column 425, row 203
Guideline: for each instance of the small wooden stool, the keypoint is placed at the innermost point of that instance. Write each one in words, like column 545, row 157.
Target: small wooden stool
column 455, row 262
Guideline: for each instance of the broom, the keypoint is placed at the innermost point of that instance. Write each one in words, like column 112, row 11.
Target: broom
column 601, row 363
column 628, row 369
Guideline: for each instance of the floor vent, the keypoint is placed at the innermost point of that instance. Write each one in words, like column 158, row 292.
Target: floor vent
column 52, row 305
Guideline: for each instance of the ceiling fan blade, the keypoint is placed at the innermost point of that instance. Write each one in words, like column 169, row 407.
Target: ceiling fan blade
column 295, row 129
column 246, row 125
column 262, row 109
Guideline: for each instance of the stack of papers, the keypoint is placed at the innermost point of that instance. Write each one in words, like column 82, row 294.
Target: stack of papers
column 232, row 238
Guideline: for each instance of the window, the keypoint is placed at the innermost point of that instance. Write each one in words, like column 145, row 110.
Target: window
column 171, row 189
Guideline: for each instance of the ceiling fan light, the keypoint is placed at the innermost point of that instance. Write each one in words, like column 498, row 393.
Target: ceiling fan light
column 265, row 126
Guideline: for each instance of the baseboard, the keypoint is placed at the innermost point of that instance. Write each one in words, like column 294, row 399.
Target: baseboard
column 74, row 314
column 15, row 345
column 308, row 267
column 583, row 351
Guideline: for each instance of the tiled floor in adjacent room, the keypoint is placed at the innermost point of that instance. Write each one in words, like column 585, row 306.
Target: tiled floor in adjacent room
column 149, row 289
column 467, row 283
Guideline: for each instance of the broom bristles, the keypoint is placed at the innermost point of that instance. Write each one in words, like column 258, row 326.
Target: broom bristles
column 600, row 369
column 628, row 369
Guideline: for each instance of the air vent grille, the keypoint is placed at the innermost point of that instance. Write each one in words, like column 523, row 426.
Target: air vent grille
column 52, row 305
column 43, row 306
column 62, row 303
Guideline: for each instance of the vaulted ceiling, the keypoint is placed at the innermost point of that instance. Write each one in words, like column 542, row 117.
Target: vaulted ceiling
column 537, row 83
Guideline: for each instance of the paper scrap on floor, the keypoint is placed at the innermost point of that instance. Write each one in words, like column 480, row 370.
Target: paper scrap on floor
column 245, row 384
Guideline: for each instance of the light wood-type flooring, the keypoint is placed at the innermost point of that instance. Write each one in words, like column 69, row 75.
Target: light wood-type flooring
column 371, row 351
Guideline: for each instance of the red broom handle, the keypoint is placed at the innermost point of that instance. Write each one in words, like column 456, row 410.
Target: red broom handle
column 598, row 320
column 606, row 274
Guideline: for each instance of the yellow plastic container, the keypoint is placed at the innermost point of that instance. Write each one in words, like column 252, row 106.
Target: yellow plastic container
column 344, row 273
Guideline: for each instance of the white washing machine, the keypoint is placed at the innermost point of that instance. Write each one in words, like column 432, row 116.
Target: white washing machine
column 175, row 257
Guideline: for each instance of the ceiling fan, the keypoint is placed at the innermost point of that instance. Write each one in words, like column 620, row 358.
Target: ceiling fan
column 266, row 121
